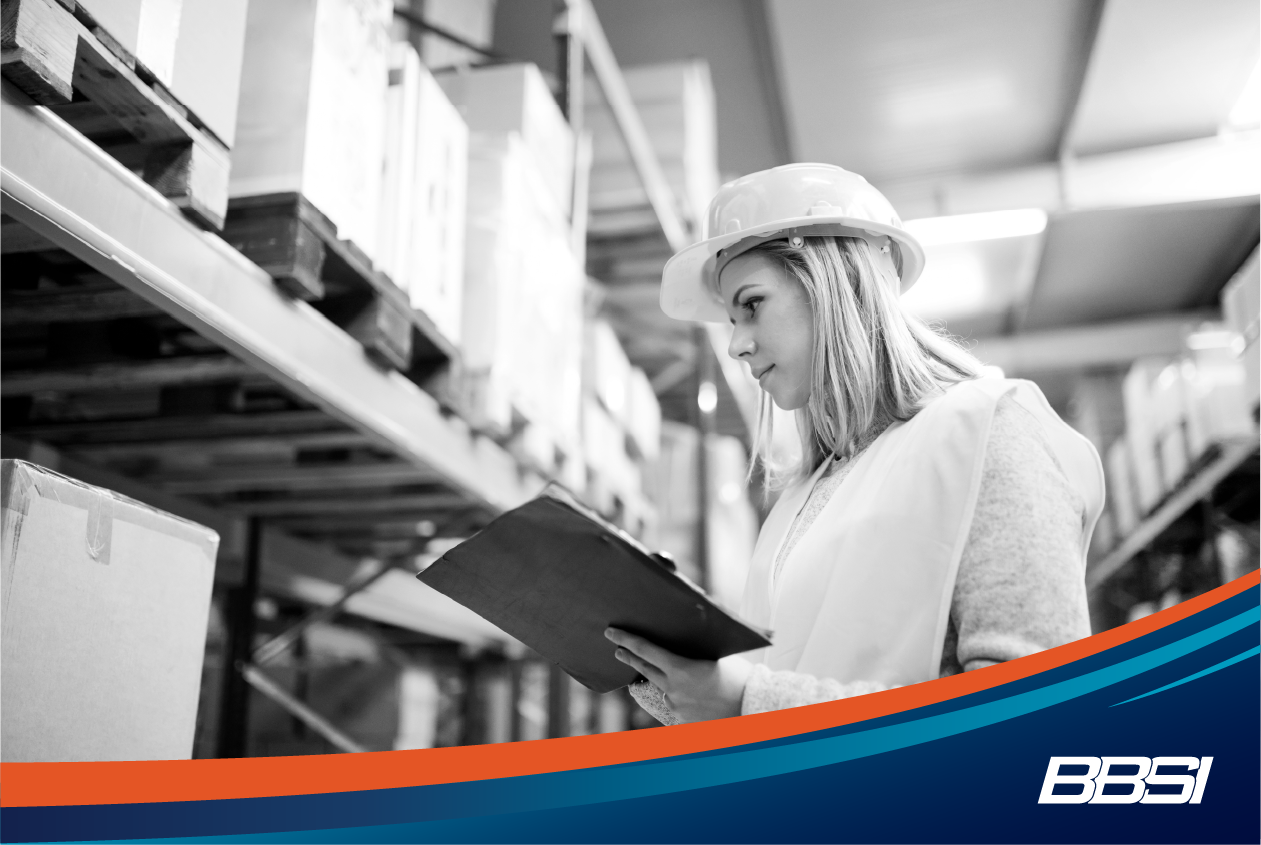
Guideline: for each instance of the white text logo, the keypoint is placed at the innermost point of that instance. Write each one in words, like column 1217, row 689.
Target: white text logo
column 1088, row 788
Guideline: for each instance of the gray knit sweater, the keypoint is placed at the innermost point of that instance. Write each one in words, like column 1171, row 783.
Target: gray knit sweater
column 1020, row 587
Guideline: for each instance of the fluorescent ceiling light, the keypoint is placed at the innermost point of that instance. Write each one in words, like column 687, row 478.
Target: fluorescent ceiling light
column 1246, row 112
column 954, row 282
column 988, row 226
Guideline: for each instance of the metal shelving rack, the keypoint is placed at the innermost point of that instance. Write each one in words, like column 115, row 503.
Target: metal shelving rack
column 1175, row 546
column 391, row 467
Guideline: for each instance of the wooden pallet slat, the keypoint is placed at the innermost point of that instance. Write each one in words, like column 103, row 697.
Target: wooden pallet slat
column 74, row 307
column 37, row 49
column 42, row 40
column 192, row 369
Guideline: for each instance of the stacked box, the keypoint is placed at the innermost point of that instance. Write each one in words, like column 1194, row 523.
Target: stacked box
column 311, row 114
column 206, row 77
column 1241, row 309
column 424, row 179
column 1143, row 430
column 643, row 415
column 676, row 103
column 106, row 603
column 607, row 372
column 1215, row 389
column 514, row 98
column 398, row 165
column 436, row 280
column 522, row 324
column 1120, row 486
column 149, row 30
column 604, row 447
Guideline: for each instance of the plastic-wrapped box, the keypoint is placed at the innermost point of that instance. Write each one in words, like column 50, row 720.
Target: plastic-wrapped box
column 106, row 602
column 424, row 180
column 1120, row 486
column 643, row 415
column 436, row 282
column 206, row 77
column 1144, row 422
column 608, row 371
column 523, row 287
column 1241, row 309
column 1216, row 393
column 515, row 98
column 311, row 114
column 398, row 164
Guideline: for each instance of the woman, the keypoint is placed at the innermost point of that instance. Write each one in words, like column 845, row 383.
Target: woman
column 937, row 522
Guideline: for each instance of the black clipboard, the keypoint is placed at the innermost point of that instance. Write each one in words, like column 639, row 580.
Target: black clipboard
column 554, row 575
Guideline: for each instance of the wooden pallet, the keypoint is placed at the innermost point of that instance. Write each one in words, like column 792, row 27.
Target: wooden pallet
column 56, row 54
column 289, row 238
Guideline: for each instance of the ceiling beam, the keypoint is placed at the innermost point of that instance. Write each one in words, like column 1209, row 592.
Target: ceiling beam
column 1085, row 347
column 1216, row 168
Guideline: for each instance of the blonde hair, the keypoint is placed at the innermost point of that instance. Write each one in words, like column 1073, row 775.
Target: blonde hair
column 873, row 361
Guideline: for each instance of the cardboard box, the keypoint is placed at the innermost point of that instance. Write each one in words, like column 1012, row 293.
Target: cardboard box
column 608, row 371
column 1145, row 419
column 643, row 414
column 1120, row 489
column 440, row 197
column 206, row 77
column 147, row 29
column 398, row 170
column 311, row 114
column 514, row 98
column 522, row 287
column 105, row 604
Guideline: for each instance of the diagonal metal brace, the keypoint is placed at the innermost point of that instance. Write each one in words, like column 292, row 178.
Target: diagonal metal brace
column 266, row 685
column 278, row 644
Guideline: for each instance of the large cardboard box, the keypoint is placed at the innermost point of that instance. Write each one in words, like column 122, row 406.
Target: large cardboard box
column 311, row 115
column 643, row 414
column 514, row 98
column 1145, row 418
column 147, row 29
column 104, row 614
column 608, row 370
column 206, row 76
column 440, row 195
column 522, row 319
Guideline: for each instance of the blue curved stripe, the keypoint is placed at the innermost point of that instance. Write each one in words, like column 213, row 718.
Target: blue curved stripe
column 1200, row 674
column 584, row 787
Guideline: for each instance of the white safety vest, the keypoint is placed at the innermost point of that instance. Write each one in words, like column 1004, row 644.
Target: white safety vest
column 865, row 593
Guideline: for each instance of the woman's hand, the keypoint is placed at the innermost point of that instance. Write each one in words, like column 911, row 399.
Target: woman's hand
column 695, row 690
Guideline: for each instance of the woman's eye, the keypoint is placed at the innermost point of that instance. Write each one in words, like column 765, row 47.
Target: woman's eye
column 751, row 304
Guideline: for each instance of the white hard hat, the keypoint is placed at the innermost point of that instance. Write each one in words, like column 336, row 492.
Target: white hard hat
column 780, row 203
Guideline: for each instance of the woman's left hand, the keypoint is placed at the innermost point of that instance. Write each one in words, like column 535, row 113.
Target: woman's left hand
column 695, row 690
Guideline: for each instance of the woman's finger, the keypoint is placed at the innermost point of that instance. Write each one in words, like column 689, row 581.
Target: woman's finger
column 651, row 652
column 649, row 671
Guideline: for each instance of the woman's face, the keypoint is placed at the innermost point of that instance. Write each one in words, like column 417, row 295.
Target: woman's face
column 774, row 326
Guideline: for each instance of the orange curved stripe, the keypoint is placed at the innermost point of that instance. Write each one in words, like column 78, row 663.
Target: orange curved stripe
column 64, row 784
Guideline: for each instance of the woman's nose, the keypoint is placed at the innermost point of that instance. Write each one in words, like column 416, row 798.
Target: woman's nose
column 741, row 343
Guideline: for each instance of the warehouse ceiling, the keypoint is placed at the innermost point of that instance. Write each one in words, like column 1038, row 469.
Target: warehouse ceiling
column 1107, row 114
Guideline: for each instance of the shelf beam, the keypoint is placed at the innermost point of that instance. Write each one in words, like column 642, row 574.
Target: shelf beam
column 67, row 190
column 1231, row 455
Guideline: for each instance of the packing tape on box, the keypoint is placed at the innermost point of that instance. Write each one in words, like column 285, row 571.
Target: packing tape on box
column 22, row 482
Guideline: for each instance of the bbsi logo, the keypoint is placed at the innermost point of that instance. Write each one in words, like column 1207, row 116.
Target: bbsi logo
column 1089, row 788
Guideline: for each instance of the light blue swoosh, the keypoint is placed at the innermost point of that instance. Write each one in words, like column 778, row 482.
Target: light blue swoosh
column 1200, row 674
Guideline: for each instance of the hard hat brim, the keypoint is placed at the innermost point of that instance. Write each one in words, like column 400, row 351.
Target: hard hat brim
column 686, row 291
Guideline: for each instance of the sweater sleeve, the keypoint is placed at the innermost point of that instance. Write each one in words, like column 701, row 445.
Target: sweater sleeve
column 1020, row 587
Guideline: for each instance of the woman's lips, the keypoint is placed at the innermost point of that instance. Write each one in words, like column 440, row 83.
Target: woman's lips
column 764, row 372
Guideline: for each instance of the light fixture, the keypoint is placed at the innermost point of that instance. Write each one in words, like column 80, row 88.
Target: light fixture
column 986, row 226
column 707, row 397
column 1246, row 113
